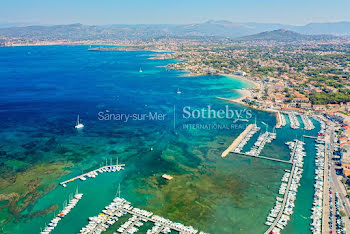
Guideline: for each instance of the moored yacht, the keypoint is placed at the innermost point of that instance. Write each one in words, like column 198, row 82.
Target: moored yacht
column 79, row 125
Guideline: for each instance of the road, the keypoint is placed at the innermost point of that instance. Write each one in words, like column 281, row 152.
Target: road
column 336, row 183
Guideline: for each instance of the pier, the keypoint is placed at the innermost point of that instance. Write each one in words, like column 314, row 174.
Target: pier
column 154, row 221
column 120, row 207
column 313, row 137
column 237, row 140
column 283, row 202
column 131, row 225
column 65, row 211
column 107, row 168
column 279, row 121
column 294, row 122
column 308, row 125
column 264, row 138
column 285, row 198
column 263, row 157
column 283, row 119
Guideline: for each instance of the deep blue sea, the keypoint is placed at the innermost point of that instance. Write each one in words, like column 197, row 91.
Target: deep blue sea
column 44, row 88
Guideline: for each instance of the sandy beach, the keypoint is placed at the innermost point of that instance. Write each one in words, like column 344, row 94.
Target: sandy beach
column 255, row 85
column 244, row 94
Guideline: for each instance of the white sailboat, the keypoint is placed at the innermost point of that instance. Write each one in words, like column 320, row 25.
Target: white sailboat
column 140, row 70
column 178, row 91
column 79, row 125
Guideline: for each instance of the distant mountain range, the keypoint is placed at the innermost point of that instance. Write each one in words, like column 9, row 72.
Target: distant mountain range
column 210, row 28
column 284, row 35
column 229, row 29
column 8, row 25
column 337, row 29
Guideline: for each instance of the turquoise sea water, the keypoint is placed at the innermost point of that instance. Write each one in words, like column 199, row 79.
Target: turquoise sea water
column 44, row 88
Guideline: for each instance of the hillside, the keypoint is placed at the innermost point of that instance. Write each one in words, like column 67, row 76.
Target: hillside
column 283, row 35
column 223, row 29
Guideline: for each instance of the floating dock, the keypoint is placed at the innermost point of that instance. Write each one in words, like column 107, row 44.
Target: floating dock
column 283, row 119
column 154, row 221
column 237, row 140
column 308, row 124
column 167, row 177
column 107, row 168
column 296, row 164
column 120, row 207
column 67, row 208
column 263, row 157
column 131, row 225
column 264, row 138
column 294, row 122
column 283, row 202
column 312, row 137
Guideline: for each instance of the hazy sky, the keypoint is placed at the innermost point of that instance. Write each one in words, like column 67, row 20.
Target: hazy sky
column 172, row 11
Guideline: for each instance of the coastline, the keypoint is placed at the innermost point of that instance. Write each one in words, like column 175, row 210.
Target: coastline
column 240, row 102
column 123, row 46
column 244, row 93
column 64, row 43
column 241, row 92
column 245, row 104
column 126, row 47
column 255, row 85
